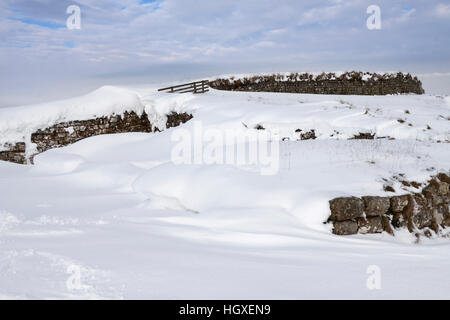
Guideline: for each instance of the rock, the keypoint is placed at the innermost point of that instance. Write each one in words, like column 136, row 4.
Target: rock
column 436, row 191
column 432, row 196
column 345, row 228
column 422, row 215
column 446, row 222
column 370, row 225
column 364, row 136
column 435, row 225
column 408, row 213
column 346, row 208
column 443, row 188
column 376, row 206
column 398, row 203
column 310, row 135
column 388, row 188
column 438, row 217
column 398, row 220
column 427, row 233
column 443, row 177
column 387, row 225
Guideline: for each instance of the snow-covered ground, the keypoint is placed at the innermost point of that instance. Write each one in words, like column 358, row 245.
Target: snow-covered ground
column 114, row 217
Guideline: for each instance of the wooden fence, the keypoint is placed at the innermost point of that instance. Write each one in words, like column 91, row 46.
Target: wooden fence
column 195, row 87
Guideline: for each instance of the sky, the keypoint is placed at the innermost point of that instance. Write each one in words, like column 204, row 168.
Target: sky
column 141, row 42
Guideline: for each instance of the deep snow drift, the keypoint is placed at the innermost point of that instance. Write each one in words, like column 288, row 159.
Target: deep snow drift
column 116, row 213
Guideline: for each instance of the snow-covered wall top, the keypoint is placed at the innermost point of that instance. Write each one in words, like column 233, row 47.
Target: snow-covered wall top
column 28, row 130
column 348, row 83
column 18, row 122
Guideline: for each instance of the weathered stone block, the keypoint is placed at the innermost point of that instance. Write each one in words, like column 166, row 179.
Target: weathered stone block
column 423, row 219
column 376, row 206
column 346, row 208
column 443, row 188
column 345, row 228
column 444, row 177
column 423, row 214
column 370, row 225
column 398, row 203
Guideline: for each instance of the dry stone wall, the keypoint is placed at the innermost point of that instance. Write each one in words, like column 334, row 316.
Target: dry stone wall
column 63, row 134
column 349, row 83
column 420, row 213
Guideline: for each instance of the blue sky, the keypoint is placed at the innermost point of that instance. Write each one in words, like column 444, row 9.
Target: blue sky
column 146, row 41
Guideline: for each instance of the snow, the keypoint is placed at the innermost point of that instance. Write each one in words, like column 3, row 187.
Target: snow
column 17, row 123
column 119, row 211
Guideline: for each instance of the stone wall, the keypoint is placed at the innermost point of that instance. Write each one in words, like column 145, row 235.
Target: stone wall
column 63, row 134
column 420, row 213
column 350, row 83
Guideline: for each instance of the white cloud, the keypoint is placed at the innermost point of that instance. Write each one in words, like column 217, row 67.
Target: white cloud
column 124, row 36
column 442, row 10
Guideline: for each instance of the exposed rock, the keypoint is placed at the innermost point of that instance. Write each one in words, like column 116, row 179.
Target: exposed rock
column 416, row 184
column 435, row 192
column 422, row 216
column 387, row 225
column 436, row 221
column 345, row 228
column 176, row 119
column 398, row 220
column 398, row 203
column 428, row 233
column 376, row 206
column 370, row 225
column 443, row 177
column 408, row 213
column 443, row 188
column 446, row 222
column 346, row 208
column 309, row 135
column 364, row 136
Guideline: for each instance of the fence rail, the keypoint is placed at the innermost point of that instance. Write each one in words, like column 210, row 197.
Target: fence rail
column 195, row 87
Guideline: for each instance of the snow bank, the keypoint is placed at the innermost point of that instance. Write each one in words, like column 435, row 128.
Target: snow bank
column 226, row 228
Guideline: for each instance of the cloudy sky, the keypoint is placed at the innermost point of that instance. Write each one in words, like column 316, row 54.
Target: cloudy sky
column 146, row 41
